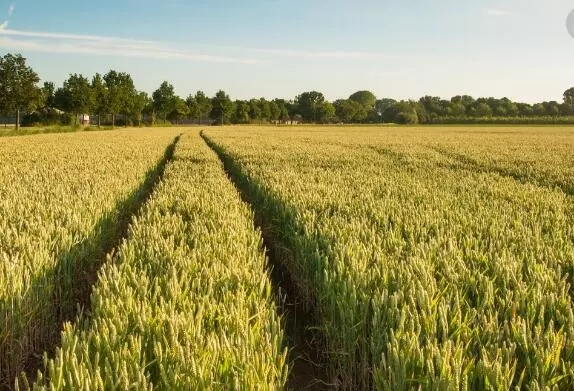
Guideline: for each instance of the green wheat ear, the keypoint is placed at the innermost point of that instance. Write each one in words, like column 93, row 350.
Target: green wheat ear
column 438, row 258
column 421, row 258
column 184, row 301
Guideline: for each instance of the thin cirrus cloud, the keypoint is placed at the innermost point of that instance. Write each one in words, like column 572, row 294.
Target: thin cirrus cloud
column 5, row 24
column 498, row 12
column 125, row 47
column 340, row 54
column 98, row 45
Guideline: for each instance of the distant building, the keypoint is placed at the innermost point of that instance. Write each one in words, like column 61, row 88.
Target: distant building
column 84, row 120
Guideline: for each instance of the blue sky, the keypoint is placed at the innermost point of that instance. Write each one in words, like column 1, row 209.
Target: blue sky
column 515, row 48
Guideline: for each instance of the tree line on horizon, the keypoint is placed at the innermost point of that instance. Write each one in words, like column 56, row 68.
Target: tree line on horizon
column 114, row 94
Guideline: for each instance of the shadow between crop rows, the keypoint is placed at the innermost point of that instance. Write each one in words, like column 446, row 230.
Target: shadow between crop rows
column 76, row 272
column 297, row 307
column 467, row 162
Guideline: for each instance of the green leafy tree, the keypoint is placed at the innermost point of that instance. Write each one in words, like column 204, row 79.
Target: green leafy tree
column 149, row 110
column 525, row 109
column 307, row 104
column 254, row 110
column 241, row 112
column 265, row 109
column 139, row 103
column 403, row 112
column 100, row 93
column 408, row 113
column 365, row 98
column 180, row 110
column 361, row 112
column 346, row 109
column 274, row 111
column 48, row 90
column 193, row 107
column 325, row 112
column 383, row 104
column 164, row 99
column 48, row 114
column 407, row 117
column 282, row 106
column 423, row 116
column 568, row 97
column 539, row 110
column 500, row 107
column 457, row 109
column 221, row 107
column 204, row 105
column 120, row 93
column 75, row 96
column 18, row 86
column 565, row 109
column 511, row 108
column 283, row 110
column 466, row 100
column 552, row 108
column 482, row 110
column 434, row 107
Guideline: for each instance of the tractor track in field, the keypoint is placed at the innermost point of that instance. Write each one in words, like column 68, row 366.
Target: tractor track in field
column 307, row 347
column 466, row 162
column 107, row 237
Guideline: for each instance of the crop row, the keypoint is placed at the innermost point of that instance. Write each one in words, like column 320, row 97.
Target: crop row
column 541, row 156
column 62, row 199
column 424, row 276
column 185, row 303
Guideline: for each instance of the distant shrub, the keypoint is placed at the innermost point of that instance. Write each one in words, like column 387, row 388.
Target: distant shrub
column 407, row 118
column 544, row 120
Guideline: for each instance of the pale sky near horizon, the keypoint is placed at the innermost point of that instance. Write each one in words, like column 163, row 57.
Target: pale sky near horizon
column 276, row 48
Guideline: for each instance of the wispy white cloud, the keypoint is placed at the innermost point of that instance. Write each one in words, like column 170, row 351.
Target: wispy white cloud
column 5, row 24
column 498, row 12
column 127, row 47
column 338, row 54
column 99, row 45
column 76, row 37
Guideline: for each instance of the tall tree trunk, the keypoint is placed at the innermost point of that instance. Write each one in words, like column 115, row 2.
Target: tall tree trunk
column 18, row 119
column 99, row 123
column 113, row 121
